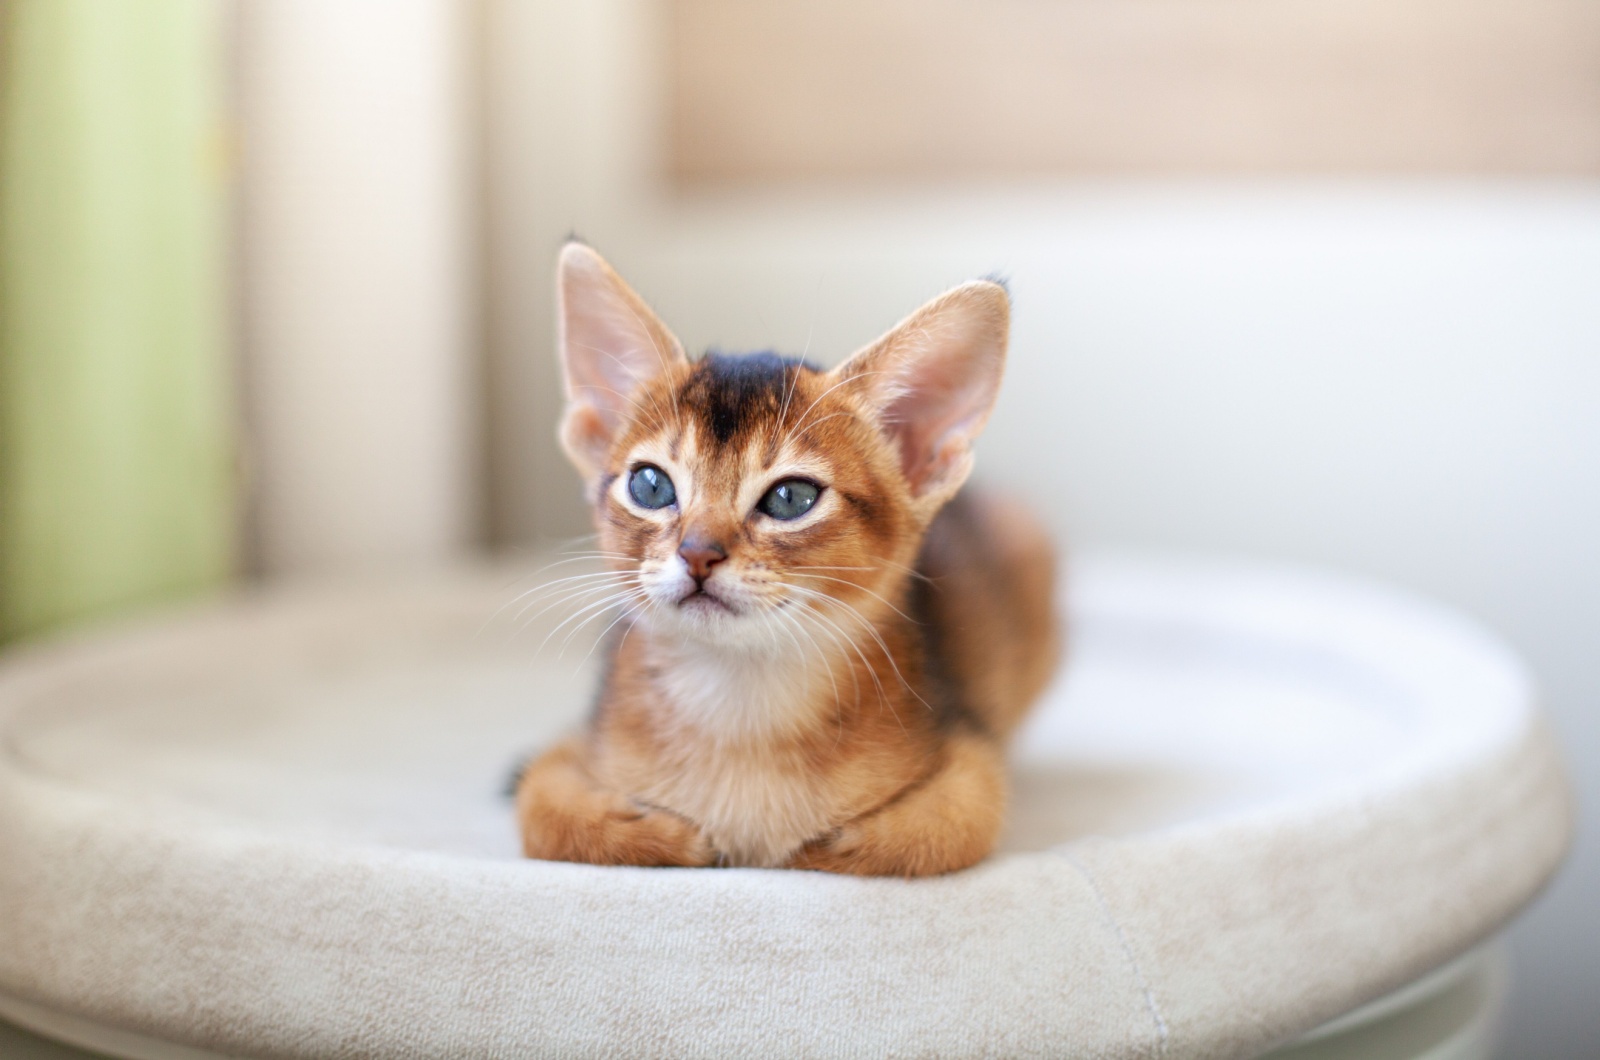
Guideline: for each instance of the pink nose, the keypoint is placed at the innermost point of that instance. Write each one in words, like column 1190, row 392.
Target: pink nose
column 700, row 554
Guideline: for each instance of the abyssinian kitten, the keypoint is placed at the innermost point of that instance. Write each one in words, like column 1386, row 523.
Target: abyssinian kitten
column 826, row 643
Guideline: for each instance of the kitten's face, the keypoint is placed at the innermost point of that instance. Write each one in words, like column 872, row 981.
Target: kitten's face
column 749, row 497
column 754, row 500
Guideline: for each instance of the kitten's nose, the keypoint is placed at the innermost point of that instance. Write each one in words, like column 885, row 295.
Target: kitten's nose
column 701, row 554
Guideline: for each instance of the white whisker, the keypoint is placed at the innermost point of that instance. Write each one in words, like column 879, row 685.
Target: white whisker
column 597, row 607
column 626, row 612
column 568, row 597
column 872, row 632
column 853, row 585
column 847, row 379
column 850, row 643
column 598, row 612
column 591, row 583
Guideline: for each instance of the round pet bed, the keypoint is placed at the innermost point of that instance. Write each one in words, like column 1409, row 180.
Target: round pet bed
column 1256, row 799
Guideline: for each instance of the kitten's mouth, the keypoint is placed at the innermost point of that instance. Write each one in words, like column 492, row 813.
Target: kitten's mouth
column 701, row 599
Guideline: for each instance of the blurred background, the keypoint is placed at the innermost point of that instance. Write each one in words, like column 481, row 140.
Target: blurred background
column 1314, row 280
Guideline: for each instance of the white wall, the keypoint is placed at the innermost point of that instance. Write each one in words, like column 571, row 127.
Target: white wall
column 1397, row 380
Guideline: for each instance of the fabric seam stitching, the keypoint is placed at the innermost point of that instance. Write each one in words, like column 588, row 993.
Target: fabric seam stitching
column 1127, row 951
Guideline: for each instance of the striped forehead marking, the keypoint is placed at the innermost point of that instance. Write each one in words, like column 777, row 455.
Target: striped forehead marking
column 729, row 393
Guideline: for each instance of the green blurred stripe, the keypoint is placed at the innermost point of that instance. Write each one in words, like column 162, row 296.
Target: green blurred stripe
column 116, row 469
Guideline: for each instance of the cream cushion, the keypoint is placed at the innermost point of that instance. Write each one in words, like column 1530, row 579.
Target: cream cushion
column 274, row 827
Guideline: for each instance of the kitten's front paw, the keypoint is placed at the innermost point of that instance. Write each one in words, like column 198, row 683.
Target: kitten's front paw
column 647, row 835
column 835, row 851
column 605, row 828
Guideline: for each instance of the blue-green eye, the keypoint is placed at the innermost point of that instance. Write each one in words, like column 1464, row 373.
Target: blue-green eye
column 790, row 499
column 650, row 486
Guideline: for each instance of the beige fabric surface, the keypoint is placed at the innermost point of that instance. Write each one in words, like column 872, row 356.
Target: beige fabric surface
column 273, row 828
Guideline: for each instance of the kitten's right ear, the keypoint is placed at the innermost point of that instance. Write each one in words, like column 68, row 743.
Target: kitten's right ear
column 611, row 344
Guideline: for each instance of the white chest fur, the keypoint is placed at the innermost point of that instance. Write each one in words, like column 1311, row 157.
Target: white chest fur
column 740, row 776
column 741, row 696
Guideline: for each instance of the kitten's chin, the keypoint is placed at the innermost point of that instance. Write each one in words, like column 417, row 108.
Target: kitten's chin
column 703, row 602
column 713, row 622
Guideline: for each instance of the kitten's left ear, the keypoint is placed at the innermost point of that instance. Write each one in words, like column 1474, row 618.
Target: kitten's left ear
column 611, row 344
column 932, row 382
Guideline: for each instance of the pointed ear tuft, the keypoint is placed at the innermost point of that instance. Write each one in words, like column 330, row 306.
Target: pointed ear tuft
column 611, row 344
column 933, row 380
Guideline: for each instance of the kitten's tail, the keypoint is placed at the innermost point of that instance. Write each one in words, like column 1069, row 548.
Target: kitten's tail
column 992, row 565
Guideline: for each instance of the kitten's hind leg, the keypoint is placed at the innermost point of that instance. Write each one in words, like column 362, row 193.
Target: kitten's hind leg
column 947, row 822
column 565, row 815
column 990, row 566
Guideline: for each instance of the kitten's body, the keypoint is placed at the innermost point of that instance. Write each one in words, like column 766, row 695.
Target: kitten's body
column 831, row 690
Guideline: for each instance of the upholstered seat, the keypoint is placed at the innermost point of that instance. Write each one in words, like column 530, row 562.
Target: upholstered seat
column 1256, row 799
